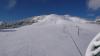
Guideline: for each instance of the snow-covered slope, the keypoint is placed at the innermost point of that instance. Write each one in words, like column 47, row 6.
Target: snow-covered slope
column 52, row 35
column 54, row 17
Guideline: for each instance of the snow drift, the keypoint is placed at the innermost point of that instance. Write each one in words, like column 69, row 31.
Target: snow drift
column 51, row 35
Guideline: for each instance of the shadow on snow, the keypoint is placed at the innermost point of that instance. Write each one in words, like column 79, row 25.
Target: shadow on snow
column 7, row 30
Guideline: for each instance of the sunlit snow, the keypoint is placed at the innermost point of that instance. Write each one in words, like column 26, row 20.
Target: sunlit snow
column 52, row 35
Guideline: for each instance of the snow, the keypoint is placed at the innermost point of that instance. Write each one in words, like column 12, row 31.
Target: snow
column 55, row 17
column 52, row 35
column 75, row 19
column 94, row 42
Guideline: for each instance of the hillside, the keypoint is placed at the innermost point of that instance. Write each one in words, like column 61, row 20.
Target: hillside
column 51, row 35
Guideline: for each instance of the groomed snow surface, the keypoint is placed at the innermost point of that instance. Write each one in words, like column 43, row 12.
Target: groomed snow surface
column 52, row 35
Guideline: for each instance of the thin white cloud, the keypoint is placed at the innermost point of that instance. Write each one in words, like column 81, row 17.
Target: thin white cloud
column 91, row 14
column 11, row 4
column 94, row 4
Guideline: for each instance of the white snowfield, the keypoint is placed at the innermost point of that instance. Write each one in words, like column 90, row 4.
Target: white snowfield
column 52, row 35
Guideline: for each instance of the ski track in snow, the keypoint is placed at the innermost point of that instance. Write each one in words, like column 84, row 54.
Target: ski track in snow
column 48, row 38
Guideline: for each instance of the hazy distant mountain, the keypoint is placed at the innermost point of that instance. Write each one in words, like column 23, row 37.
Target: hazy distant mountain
column 31, row 20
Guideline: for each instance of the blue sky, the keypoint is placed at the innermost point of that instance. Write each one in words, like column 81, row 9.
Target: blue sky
column 11, row 10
